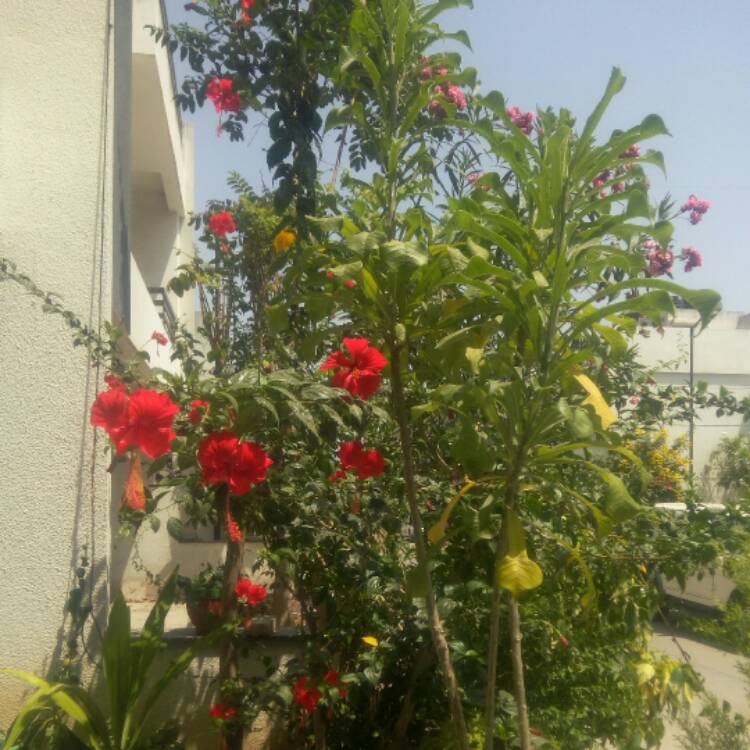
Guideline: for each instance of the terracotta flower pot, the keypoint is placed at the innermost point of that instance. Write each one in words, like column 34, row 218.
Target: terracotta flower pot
column 205, row 614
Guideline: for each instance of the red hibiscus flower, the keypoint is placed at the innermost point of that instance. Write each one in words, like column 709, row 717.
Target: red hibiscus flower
column 110, row 412
column 353, row 456
column 334, row 680
column 222, row 223
column 221, row 92
column 359, row 371
column 222, row 711
column 224, row 459
column 198, row 410
column 305, row 696
column 247, row 6
column 250, row 593
column 149, row 427
column 160, row 338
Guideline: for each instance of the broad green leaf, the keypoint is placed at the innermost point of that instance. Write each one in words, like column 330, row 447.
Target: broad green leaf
column 278, row 317
column 614, row 86
column 603, row 410
column 577, row 419
column 429, row 12
column 619, row 505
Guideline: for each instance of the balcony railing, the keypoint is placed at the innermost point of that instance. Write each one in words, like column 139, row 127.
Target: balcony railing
column 164, row 307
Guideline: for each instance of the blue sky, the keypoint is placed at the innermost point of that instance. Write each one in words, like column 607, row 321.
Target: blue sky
column 688, row 61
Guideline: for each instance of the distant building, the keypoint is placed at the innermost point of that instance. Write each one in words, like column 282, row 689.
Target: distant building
column 720, row 357
column 96, row 185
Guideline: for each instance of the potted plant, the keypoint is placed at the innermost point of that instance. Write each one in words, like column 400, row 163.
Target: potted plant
column 203, row 598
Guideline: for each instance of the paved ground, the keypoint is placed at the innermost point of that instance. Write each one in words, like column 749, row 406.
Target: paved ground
column 718, row 669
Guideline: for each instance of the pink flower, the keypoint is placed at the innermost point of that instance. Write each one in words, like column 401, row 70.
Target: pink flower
column 523, row 121
column 455, row 95
column 631, row 152
column 692, row 257
column 441, row 70
column 160, row 338
column 618, row 187
column 436, row 108
column 426, row 73
column 696, row 206
column 659, row 259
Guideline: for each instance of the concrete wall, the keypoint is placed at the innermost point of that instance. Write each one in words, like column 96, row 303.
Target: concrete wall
column 61, row 176
column 721, row 357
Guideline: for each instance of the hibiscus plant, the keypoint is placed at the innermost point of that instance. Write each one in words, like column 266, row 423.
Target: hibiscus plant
column 403, row 384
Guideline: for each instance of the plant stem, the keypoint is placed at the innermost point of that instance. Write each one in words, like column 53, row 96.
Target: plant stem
column 519, row 687
column 489, row 703
column 228, row 656
column 436, row 625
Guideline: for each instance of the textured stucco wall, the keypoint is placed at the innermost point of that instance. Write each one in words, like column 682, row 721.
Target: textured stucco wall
column 57, row 189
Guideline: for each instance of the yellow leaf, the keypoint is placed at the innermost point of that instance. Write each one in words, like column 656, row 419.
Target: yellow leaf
column 370, row 640
column 518, row 573
column 437, row 532
column 474, row 355
column 603, row 410
column 646, row 672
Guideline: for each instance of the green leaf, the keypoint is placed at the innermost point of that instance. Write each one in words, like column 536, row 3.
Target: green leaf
column 429, row 12
column 278, row 318
column 619, row 505
column 416, row 583
column 614, row 86
column 176, row 529
column 117, row 664
column 474, row 357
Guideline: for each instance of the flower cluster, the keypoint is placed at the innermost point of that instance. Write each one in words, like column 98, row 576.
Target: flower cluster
column 353, row 457
column 522, row 120
column 222, row 712
column 141, row 420
column 692, row 257
column 160, row 338
column 358, row 371
column 284, row 240
column 660, row 259
column 451, row 92
column 222, row 223
column 307, row 695
column 248, row 593
column 632, row 152
column 696, row 207
column 224, row 459
column 221, row 92
column 247, row 6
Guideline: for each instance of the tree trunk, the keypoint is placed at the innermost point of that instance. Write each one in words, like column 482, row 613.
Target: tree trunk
column 436, row 625
column 490, row 694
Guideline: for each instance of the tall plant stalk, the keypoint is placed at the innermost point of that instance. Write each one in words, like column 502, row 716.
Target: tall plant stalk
column 436, row 626
column 519, row 685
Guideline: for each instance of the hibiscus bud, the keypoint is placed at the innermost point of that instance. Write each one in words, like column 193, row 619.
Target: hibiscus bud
column 564, row 641
column 329, row 274
column 350, row 283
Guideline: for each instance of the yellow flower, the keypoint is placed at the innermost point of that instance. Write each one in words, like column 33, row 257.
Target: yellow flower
column 370, row 640
column 284, row 240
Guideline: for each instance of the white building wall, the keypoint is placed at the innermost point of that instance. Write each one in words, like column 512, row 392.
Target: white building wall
column 721, row 357
column 60, row 176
